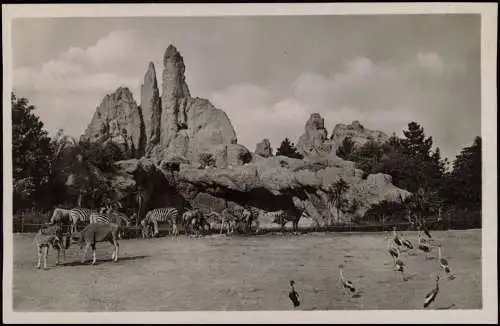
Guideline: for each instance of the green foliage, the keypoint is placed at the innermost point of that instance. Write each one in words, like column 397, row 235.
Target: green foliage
column 288, row 149
column 463, row 186
column 207, row 159
column 31, row 153
column 346, row 149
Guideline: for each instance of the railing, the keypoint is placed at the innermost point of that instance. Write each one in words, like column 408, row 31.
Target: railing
column 31, row 222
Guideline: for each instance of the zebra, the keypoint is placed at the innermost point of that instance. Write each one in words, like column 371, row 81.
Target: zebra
column 283, row 216
column 228, row 219
column 161, row 215
column 194, row 219
column 79, row 214
column 109, row 216
column 254, row 217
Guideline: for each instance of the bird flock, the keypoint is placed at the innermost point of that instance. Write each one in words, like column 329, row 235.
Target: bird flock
column 395, row 246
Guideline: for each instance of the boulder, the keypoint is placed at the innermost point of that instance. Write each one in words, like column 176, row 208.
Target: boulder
column 314, row 141
column 357, row 132
column 264, row 148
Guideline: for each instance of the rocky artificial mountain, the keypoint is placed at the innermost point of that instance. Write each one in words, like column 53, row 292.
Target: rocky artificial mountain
column 166, row 134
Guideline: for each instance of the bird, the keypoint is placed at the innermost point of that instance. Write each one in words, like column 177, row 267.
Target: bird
column 431, row 296
column 423, row 246
column 346, row 284
column 397, row 240
column 394, row 252
column 425, row 229
column 407, row 243
column 443, row 262
column 399, row 266
column 294, row 295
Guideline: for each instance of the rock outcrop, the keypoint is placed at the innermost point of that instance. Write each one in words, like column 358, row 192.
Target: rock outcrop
column 151, row 107
column 315, row 139
column 357, row 132
column 189, row 126
column 118, row 119
column 264, row 148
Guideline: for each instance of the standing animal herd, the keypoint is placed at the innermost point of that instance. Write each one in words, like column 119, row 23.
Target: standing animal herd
column 108, row 224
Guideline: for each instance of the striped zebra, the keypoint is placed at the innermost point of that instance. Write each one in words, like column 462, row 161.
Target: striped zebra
column 60, row 215
column 109, row 216
column 255, row 213
column 284, row 216
column 228, row 219
column 194, row 220
column 80, row 215
column 223, row 219
column 159, row 216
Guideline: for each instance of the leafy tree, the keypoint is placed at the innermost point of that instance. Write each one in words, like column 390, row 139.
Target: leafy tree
column 207, row 159
column 288, row 149
column 31, row 153
column 465, row 181
column 346, row 149
column 339, row 188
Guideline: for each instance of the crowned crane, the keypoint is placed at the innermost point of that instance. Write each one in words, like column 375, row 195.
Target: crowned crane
column 294, row 295
column 397, row 239
column 424, row 228
column 346, row 284
column 394, row 252
column 443, row 262
column 423, row 246
column 407, row 243
column 399, row 266
column 431, row 296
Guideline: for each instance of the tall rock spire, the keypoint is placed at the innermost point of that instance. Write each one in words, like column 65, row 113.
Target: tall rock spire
column 151, row 106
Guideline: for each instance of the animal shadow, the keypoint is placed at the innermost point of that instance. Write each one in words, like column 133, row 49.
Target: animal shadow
column 101, row 261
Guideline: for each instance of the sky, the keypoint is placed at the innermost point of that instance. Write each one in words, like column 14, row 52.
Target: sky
column 269, row 74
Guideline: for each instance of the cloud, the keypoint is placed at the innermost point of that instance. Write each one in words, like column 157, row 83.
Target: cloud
column 384, row 96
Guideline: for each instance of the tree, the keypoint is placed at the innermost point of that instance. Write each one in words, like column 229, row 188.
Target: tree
column 288, row 149
column 31, row 153
column 465, row 188
column 346, row 149
column 339, row 188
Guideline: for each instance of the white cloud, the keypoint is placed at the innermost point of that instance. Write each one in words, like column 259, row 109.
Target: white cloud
column 382, row 96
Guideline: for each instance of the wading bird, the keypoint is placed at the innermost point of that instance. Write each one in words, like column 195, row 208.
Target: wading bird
column 443, row 262
column 394, row 252
column 397, row 239
column 346, row 284
column 431, row 296
column 294, row 295
column 423, row 246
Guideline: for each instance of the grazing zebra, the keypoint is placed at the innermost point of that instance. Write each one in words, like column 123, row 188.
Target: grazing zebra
column 110, row 217
column 284, row 216
column 162, row 215
column 216, row 218
column 194, row 219
column 97, row 232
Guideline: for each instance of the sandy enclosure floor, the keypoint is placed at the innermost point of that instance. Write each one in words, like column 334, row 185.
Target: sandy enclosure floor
column 248, row 273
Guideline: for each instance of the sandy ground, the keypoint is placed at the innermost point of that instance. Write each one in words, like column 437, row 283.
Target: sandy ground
column 248, row 273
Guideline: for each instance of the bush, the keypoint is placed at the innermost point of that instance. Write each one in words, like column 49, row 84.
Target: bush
column 207, row 159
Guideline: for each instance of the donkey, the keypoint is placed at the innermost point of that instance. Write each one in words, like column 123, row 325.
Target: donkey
column 97, row 232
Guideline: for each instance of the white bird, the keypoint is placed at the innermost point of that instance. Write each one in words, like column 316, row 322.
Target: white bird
column 346, row 284
column 431, row 296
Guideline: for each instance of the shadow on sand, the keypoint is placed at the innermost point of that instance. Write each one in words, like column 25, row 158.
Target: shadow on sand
column 101, row 261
